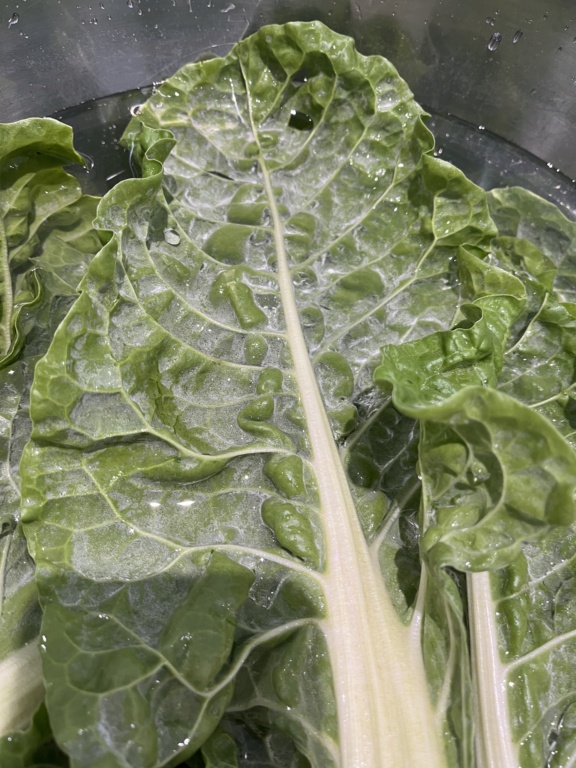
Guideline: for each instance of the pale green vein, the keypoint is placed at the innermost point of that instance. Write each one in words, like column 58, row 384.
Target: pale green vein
column 541, row 650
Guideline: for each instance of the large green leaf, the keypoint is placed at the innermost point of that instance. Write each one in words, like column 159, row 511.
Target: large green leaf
column 498, row 468
column 46, row 241
column 221, row 506
column 531, row 601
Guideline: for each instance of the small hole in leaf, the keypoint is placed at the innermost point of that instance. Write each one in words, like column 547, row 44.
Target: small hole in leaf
column 300, row 121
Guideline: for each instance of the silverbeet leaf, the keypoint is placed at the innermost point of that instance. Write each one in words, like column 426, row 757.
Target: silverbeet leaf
column 234, row 550
column 33, row 746
column 46, row 241
column 496, row 454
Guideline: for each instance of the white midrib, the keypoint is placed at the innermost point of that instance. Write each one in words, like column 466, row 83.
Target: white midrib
column 385, row 718
column 21, row 687
column 8, row 299
column 495, row 745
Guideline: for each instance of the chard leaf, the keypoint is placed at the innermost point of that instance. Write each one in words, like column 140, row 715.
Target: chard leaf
column 499, row 470
column 46, row 241
column 220, row 503
column 33, row 747
column 530, row 603
column 33, row 187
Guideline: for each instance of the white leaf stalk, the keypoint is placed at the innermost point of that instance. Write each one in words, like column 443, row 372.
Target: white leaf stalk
column 495, row 745
column 379, row 676
column 21, row 688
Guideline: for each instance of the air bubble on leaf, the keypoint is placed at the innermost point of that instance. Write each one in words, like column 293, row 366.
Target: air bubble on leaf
column 494, row 41
column 130, row 3
column 88, row 162
column 14, row 19
column 136, row 109
column 517, row 35
column 171, row 236
column 490, row 20
column 227, row 8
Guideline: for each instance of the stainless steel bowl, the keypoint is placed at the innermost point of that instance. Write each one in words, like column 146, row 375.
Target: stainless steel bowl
column 508, row 65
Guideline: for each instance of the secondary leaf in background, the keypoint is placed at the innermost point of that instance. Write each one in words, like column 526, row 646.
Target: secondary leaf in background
column 203, row 403
column 46, row 241
column 33, row 747
column 33, row 186
column 531, row 602
column 497, row 469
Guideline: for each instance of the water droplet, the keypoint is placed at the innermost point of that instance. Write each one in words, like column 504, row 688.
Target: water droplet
column 494, row 41
column 130, row 3
column 490, row 20
column 140, row 11
column 227, row 8
column 136, row 109
column 171, row 236
column 517, row 35
column 481, row 127
column 14, row 19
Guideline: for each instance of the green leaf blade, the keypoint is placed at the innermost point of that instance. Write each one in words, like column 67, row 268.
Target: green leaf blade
column 210, row 396
column 44, row 222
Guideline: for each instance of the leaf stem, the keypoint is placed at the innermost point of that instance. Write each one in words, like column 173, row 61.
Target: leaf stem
column 5, row 543
column 22, row 687
column 8, row 299
column 495, row 746
column 380, row 685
